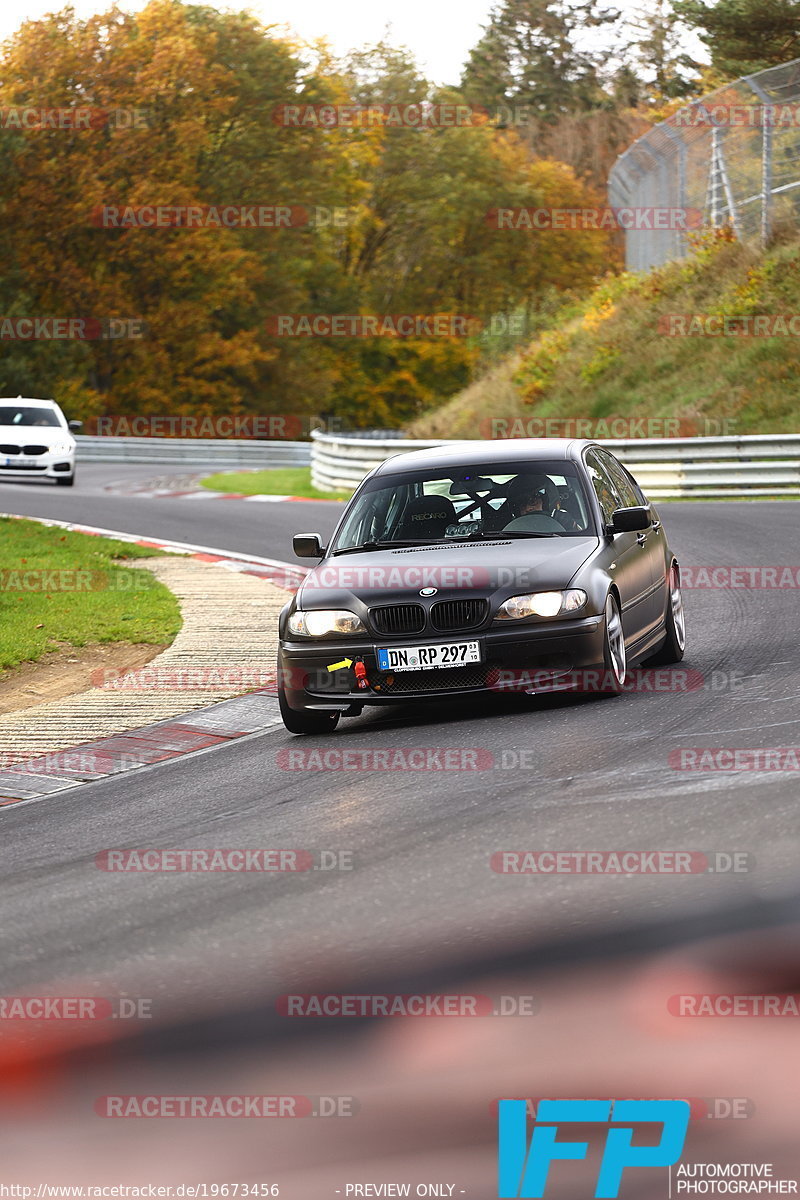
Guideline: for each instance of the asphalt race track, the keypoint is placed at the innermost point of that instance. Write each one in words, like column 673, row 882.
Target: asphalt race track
column 568, row 773
column 261, row 529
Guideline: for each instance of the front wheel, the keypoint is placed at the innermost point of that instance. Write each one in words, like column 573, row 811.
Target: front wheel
column 305, row 720
column 65, row 480
column 615, row 658
column 675, row 625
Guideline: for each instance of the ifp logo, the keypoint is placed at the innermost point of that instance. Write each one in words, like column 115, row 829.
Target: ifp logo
column 523, row 1173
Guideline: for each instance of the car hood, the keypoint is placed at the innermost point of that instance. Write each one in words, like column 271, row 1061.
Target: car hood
column 495, row 570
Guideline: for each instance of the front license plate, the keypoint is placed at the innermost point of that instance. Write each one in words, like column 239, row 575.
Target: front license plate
column 20, row 462
column 418, row 658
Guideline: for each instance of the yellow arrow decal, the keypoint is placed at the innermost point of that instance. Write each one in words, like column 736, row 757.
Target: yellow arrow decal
column 346, row 662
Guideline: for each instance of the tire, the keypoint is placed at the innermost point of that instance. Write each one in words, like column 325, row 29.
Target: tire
column 615, row 658
column 65, row 480
column 305, row 720
column 674, row 644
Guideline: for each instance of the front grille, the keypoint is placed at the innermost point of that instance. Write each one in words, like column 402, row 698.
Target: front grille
column 440, row 679
column 31, row 450
column 398, row 618
column 459, row 614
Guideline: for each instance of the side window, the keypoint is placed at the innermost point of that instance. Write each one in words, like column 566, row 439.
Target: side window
column 623, row 484
column 641, row 497
column 607, row 493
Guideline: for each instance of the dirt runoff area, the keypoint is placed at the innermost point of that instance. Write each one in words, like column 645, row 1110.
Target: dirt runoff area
column 68, row 670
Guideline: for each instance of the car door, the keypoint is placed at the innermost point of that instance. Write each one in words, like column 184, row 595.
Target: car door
column 630, row 561
column 652, row 538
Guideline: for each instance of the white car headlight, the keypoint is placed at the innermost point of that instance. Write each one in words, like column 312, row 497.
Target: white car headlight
column 62, row 447
column 541, row 604
column 325, row 621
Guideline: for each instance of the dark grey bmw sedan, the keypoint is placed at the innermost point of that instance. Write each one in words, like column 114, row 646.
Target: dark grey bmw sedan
column 480, row 567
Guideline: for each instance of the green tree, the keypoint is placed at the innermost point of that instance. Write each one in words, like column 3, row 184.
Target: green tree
column 744, row 36
column 658, row 51
column 533, row 52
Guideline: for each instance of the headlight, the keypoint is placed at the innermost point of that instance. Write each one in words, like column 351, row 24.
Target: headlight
column 322, row 622
column 541, row 604
column 61, row 448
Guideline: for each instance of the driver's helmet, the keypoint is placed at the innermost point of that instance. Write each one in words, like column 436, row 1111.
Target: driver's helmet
column 532, row 493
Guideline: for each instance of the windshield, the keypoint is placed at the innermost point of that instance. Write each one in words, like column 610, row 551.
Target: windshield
column 17, row 414
column 543, row 499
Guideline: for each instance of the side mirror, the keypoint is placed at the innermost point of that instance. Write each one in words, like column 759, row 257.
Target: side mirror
column 75, row 425
column 629, row 520
column 307, row 545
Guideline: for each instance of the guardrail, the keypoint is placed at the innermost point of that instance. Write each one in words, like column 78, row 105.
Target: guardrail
column 218, row 453
column 667, row 468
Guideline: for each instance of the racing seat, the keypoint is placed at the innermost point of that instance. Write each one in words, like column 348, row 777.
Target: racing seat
column 426, row 518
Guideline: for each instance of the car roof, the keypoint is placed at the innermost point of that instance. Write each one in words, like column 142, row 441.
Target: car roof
column 469, row 453
column 28, row 400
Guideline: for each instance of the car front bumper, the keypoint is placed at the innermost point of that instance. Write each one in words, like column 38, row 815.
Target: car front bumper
column 513, row 660
column 51, row 465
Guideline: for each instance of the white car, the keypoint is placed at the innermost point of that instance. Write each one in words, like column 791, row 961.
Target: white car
column 36, row 441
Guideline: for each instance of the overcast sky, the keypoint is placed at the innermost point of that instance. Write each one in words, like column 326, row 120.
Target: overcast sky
column 440, row 35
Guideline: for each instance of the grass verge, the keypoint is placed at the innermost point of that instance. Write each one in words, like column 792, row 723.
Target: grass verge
column 611, row 355
column 58, row 587
column 280, row 481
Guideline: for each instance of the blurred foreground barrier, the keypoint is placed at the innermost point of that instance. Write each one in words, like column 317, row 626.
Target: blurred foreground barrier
column 710, row 468
column 218, row 453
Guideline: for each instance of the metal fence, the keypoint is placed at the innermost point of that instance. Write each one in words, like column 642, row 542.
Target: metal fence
column 667, row 468
column 193, row 452
column 733, row 156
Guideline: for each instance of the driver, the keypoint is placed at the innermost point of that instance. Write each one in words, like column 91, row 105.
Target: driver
column 536, row 493
column 527, row 494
